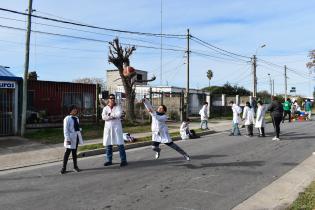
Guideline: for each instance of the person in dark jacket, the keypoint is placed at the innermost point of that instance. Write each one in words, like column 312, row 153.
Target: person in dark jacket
column 276, row 112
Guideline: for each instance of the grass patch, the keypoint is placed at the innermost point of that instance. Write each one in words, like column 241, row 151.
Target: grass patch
column 89, row 132
column 306, row 200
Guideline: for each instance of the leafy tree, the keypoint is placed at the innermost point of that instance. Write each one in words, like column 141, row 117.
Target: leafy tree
column 209, row 75
column 32, row 75
column 228, row 89
column 119, row 56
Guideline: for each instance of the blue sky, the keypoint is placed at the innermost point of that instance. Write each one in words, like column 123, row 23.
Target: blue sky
column 240, row 26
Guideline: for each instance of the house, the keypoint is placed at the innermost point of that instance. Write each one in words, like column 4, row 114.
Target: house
column 113, row 79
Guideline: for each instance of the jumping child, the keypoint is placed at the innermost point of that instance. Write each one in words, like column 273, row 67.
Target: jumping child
column 160, row 132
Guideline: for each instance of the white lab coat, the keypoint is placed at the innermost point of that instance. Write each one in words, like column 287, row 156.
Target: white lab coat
column 113, row 134
column 260, row 117
column 248, row 115
column 236, row 113
column 159, row 129
column 204, row 112
column 184, row 130
column 70, row 134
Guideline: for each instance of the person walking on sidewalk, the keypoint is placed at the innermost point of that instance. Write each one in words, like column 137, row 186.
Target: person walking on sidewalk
column 287, row 109
column 72, row 137
column 248, row 116
column 160, row 132
column 204, row 116
column 260, row 119
column 308, row 109
column 236, row 119
column 113, row 134
column 276, row 112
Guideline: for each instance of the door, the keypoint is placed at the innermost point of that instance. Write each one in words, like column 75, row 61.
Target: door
column 6, row 111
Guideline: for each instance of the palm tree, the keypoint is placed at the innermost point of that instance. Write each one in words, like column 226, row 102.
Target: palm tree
column 209, row 75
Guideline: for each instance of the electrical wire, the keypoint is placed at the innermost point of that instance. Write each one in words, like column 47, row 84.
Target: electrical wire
column 94, row 27
column 88, row 39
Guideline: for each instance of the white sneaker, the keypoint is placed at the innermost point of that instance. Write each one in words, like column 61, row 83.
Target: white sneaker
column 157, row 155
column 187, row 157
column 275, row 139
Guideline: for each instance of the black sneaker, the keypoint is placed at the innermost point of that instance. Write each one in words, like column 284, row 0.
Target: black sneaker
column 231, row 134
column 108, row 164
column 76, row 169
column 123, row 163
column 63, row 171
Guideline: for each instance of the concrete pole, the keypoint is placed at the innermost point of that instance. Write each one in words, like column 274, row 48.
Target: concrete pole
column 187, row 86
column 254, row 65
column 26, row 66
column 285, row 83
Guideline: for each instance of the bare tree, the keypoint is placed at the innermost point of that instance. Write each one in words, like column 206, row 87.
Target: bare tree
column 119, row 56
column 90, row 80
column 311, row 64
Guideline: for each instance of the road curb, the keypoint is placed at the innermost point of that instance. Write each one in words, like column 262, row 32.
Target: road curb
column 281, row 193
column 133, row 145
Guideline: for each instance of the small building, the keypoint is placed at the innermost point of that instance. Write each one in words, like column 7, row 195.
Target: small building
column 113, row 79
column 49, row 101
column 196, row 97
column 10, row 86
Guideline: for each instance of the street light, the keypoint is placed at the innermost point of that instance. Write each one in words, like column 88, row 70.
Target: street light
column 254, row 63
column 261, row 46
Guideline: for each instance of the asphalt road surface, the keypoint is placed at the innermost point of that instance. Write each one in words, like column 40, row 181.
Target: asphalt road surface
column 223, row 172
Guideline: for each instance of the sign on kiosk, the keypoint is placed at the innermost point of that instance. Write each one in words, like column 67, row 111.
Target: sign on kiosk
column 7, row 84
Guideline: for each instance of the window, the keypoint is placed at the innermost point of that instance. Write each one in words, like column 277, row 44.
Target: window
column 139, row 77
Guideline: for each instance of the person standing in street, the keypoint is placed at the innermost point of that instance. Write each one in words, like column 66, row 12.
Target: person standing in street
column 248, row 117
column 287, row 109
column 204, row 116
column 236, row 119
column 276, row 112
column 308, row 109
column 260, row 118
column 72, row 138
column 160, row 132
column 113, row 134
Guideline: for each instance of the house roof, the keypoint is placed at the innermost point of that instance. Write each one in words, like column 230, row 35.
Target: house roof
column 7, row 75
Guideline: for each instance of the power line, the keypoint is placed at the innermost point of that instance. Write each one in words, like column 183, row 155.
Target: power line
column 226, row 51
column 91, row 32
column 220, row 58
column 96, row 27
column 89, row 39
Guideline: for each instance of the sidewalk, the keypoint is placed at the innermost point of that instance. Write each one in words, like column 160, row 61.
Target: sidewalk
column 17, row 152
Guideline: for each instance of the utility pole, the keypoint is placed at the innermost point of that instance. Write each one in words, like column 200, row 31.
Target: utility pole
column 26, row 66
column 187, row 86
column 270, row 83
column 254, row 76
column 273, row 87
column 285, row 82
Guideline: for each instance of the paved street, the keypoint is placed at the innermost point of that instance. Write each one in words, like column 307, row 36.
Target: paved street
column 223, row 172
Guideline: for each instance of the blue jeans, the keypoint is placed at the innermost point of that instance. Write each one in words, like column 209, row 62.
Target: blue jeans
column 109, row 153
column 204, row 122
column 235, row 129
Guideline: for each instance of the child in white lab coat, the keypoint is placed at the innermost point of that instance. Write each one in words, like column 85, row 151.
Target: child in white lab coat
column 248, row 117
column 160, row 132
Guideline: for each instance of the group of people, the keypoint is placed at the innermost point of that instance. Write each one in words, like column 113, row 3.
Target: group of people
column 113, row 133
column 293, row 110
column 249, row 114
